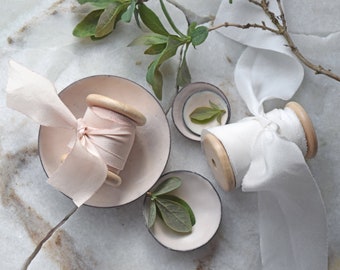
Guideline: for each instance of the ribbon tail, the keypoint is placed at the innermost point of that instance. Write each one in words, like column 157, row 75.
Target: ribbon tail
column 254, row 73
column 292, row 219
column 267, row 68
column 36, row 97
column 80, row 175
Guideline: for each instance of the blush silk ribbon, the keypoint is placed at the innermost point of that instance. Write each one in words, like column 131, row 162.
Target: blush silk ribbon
column 102, row 138
column 292, row 219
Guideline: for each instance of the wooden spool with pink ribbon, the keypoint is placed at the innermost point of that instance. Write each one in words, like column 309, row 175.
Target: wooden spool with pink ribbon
column 111, row 132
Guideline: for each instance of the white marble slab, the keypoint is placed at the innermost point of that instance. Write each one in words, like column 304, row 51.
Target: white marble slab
column 38, row 34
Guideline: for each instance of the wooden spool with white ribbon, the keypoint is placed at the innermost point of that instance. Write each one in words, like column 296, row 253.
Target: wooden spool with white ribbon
column 219, row 159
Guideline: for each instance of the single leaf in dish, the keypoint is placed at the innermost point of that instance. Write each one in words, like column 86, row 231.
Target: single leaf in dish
column 152, row 214
column 203, row 115
column 167, row 186
column 174, row 214
column 184, row 204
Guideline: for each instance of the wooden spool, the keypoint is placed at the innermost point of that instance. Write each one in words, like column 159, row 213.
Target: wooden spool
column 113, row 179
column 219, row 161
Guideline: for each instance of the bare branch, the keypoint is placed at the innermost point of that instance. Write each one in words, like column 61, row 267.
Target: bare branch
column 255, row 2
column 284, row 32
column 246, row 26
column 281, row 29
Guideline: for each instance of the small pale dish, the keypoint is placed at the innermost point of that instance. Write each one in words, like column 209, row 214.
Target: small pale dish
column 196, row 95
column 205, row 202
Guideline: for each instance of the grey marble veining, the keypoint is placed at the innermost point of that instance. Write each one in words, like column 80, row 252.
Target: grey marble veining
column 37, row 34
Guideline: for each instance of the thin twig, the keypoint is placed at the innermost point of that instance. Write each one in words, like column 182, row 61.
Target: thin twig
column 284, row 32
column 245, row 26
column 48, row 236
column 282, row 15
column 281, row 29
column 255, row 2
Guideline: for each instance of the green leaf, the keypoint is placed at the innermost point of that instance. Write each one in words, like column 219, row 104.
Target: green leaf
column 153, row 75
column 199, row 35
column 109, row 18
column 127, row 15
column 155, row 49
column 149, row 39
column 213, row 105
column 168, row 17
column 94, row 38
column 152, row 214
column 87, row 27
column 155, row 78
column 202, row 115
column 219, row 118
column 167, row 186
column 102, row 4
column 184, row 204
column 151, row 20
column 136, row 15
column 191, row 28
column 183, row 74
column 175, row 216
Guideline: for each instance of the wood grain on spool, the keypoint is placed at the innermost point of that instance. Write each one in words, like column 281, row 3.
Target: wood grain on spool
column 116, row 106
column 219, row 162
column 311, row 139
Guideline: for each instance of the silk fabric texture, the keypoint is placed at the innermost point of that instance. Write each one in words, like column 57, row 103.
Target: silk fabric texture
column 292, row 219
column 101, row 138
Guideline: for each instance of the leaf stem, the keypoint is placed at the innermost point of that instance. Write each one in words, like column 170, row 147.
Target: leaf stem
column 168, row 17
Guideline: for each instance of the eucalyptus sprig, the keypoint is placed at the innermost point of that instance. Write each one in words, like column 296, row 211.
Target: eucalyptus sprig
column 165, row 45
column 203, row 115
column 162, row 43
column 174, row 211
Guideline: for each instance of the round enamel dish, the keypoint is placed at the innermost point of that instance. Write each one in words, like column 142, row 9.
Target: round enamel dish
column 149, row 153
column 191, row 97
column 205, row 202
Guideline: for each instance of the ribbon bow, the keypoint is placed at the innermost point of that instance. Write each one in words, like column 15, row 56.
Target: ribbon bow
column 84, row 170
column 292, row 220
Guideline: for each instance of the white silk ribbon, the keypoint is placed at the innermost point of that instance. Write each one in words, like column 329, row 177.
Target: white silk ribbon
column 84, row 170
column 292, row 219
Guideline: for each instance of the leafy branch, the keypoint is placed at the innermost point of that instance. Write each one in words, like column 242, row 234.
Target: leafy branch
column 101, row 22
column 281, row 29
column 163, row 44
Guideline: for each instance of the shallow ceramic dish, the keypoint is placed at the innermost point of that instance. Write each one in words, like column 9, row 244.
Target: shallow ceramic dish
column 205, row 202
column 150, row 150
column 197, row 95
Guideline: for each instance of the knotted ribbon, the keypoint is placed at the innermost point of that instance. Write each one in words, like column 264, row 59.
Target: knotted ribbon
column 292, row 220
column 101, row 139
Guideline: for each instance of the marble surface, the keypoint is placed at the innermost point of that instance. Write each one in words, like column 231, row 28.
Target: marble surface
column 37, row 34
